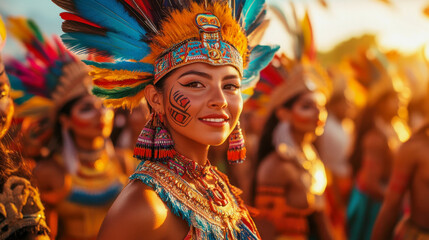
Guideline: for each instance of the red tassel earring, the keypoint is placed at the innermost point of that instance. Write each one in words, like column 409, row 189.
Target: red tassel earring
column 144, row 146
column 236, row 149
column 163, row 143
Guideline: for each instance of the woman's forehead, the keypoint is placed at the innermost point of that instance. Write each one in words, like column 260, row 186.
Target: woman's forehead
column 211, row 70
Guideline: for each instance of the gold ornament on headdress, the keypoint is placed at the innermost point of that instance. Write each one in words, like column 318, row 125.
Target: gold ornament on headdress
column 21, row 207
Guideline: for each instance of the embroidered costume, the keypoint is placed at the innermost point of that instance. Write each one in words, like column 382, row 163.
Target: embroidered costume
column 219, row 214
column 148, row 40
column 50, row 78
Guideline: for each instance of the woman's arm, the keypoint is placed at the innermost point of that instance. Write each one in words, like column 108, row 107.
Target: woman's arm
column 400, row 180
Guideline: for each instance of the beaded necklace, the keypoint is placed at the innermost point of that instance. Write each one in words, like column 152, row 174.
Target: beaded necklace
column 207, row 181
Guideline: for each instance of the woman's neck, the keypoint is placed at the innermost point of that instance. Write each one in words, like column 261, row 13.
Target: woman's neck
column 196, row 153
column 300, row 137
column 89, row 143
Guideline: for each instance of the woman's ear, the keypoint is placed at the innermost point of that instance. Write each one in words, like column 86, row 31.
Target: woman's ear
column 283, row 114
column 154, row 98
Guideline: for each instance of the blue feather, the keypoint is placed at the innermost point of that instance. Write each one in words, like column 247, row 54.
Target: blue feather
column 111, row 15
column 17, row 85
column 259, row 58
column 130, row 66
column 251, row 11
column 111, row 43
column 257, row 22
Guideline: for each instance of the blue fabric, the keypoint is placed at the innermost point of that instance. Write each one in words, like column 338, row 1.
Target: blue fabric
column 87, row 198
column 362, row 212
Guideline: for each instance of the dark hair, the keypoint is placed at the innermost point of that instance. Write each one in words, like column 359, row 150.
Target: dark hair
column 66, row 110
column 266, row 141
column 364, row 123
column 161, row 82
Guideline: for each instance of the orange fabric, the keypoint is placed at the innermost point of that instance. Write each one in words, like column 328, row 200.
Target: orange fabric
column 272, row 206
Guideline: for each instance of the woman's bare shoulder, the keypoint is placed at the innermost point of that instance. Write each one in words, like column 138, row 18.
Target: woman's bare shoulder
column 138, row 211
column 274, row 170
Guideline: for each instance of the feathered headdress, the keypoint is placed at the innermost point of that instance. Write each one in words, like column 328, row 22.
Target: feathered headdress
column 149, row 38
column 50, row 76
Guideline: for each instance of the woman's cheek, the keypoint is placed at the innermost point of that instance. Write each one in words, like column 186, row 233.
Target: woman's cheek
column 178, row 107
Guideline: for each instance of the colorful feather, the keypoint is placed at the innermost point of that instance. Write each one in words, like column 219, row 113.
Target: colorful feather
column 113, row 45
column 34, row 80
column 259, row 58
column 129, row 66
column 251, row 10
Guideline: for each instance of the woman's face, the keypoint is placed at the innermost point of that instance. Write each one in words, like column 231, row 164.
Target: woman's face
column 202, row 103
column 308, row 113
column 89, row 118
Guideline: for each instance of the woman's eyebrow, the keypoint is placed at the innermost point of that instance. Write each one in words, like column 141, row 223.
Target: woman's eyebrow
column 193, row 72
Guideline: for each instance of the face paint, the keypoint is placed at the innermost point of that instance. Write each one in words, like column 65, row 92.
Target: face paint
column 89, row 118
column 308, row 113
column 179, row 106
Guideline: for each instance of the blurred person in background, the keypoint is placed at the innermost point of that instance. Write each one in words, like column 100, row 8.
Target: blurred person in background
column 82, row 175
column 126, row 129
column 291, row 179
column 407, row 193
column 334, row 146
column 379, row 133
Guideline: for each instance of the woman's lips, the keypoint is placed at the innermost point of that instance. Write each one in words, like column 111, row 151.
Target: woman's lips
column 215, row 120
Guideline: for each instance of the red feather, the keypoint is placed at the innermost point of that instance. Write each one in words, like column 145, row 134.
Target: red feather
column 110, row 84
column 76, row 18
column 142, row 5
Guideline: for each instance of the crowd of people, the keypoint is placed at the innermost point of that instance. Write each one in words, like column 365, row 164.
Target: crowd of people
column 176, row 123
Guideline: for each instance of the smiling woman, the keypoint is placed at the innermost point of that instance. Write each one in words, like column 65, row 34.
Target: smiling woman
column 194, row 62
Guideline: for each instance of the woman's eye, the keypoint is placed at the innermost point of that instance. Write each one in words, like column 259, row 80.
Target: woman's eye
column 194, row 85
column 232, row 87
column 86, row 108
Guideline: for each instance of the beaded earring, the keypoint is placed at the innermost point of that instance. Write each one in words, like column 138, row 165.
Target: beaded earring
column 154, row 142
column 163, row 145
column 144, row 146
column 236, row 150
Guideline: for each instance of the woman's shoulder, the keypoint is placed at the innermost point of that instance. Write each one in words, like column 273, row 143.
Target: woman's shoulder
column 138, row 211
column 275, row 169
